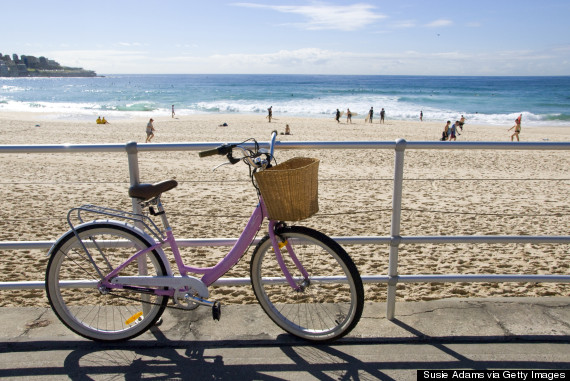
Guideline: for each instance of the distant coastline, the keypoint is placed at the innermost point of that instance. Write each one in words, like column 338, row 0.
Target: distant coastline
column 31, row 66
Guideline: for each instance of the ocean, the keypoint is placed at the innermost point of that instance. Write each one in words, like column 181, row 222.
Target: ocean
column 482, row 100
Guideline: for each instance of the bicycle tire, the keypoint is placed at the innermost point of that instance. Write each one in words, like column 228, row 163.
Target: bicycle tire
column 324, row 310
column 93, row 313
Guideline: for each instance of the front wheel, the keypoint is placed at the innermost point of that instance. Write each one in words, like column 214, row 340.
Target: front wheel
column 328, row 304
column 72, row 283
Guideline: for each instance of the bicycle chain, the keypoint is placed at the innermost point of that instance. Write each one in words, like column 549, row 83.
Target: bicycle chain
column 143, row 301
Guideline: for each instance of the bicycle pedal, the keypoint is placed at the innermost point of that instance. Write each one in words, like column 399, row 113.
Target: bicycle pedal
column 216, row 310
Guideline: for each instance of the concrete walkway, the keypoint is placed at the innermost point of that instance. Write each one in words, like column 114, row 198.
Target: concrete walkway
column 502, row 333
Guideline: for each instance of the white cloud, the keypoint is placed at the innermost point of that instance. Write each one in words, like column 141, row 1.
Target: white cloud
column 102, row 61
column 309, row 60
column 320, row 61
column 404, row 24
column 322, row 16
column 439, row 23
column 562, row 49
column 129, row 44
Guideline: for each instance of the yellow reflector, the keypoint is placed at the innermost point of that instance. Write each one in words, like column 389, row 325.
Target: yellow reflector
column 281, row 245
column 134, row 317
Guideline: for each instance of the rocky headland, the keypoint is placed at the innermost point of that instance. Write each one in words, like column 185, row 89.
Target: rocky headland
column 30, row 66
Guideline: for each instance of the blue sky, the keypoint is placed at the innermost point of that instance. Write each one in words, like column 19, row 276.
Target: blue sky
column 404, row 37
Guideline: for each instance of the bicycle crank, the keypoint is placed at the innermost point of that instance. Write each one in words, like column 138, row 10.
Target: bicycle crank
column 215, row 305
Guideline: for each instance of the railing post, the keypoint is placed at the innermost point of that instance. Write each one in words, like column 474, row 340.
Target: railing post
column 395, row 227
column 134, row 174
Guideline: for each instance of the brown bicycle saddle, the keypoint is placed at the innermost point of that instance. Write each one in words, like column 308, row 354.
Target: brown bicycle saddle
column 149, row 191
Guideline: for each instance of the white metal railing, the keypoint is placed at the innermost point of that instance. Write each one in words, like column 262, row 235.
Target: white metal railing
column 394, row 240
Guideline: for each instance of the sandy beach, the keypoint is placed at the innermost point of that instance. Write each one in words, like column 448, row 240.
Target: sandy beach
column 446, row 192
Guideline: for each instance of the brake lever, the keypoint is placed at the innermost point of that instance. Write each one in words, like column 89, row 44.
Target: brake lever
column 231, row 159
column 218, row 166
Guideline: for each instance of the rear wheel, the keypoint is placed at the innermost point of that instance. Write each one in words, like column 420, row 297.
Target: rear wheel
column 329, row 303
column 97, row 313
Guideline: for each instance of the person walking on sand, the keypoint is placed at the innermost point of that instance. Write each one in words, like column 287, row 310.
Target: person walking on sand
column 453, row 130
column 382, row 113
column 517, row 128
column 348, row 116
column 149, row 131
column 337, row 116
column 421, row 116
column 445, row 132
column 270, row 113
column 461, row 122
column 173, row 111
column 370, row 114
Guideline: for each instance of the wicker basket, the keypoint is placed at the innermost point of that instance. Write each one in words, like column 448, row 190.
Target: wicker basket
column 290, row 189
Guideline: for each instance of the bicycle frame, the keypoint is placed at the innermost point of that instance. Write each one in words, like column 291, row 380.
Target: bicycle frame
column 211, row 274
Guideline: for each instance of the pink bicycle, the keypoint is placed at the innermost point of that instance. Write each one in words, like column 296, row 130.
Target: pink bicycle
column 109, row 279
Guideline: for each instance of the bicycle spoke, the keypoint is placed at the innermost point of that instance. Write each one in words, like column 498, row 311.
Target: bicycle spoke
column 108, row 315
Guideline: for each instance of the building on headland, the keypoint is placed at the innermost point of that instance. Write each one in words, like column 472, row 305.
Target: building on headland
column 30, row 66
column 4, row 72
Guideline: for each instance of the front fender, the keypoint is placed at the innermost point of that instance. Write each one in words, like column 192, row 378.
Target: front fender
column 147, row 237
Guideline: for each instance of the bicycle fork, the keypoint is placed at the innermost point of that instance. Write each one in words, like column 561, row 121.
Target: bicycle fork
column 299, row 287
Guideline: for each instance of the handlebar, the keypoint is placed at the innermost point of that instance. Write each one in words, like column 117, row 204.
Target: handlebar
column 224, row 149
column 227, row 149
column 209, row 152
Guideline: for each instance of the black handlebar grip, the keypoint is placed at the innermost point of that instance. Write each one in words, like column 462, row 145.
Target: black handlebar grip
column 209, row 152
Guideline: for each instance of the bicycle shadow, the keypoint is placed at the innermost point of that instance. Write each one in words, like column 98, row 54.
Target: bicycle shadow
column 283, row 358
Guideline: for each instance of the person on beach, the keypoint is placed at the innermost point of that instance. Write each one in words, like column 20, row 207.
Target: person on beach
column 445, row 132
column 517, row 128
column 149, row 131
column 173, row 111
column 382, row 113
column 104, row 121
column 421, row 116
column 370, row 114
column 98, row 121
column 453, row 130
column 348, row 116
column 287, row 130
column 461, row 122
column 337, row 116
column 270, row 113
